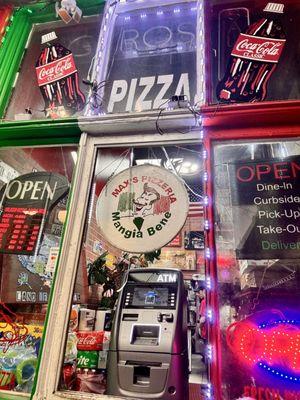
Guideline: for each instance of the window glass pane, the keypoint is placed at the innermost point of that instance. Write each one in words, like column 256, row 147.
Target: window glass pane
column 50, row 80
column 257, row 238
column 34, row 186
column 101, row 290
column 148, row 57
column 255, row 51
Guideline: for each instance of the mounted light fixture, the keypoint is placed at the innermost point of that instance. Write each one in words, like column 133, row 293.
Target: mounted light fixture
column 68, row 10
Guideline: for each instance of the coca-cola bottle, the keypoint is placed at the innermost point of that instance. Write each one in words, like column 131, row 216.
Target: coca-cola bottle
column 253, row 59
column 58, row 79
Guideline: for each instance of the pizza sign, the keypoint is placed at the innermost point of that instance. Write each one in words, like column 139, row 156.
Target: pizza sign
column 142, row 208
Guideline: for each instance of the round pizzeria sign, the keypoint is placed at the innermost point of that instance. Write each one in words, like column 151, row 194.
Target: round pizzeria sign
column 142, row 208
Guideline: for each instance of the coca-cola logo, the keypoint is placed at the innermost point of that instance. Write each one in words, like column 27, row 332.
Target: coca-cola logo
column 258, row 48
column 58, row 69
column 55, row 70
column 88, row 340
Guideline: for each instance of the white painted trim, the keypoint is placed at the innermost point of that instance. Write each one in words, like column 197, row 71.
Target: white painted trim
column 53, row 352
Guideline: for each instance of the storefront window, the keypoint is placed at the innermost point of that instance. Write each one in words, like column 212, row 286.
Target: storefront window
column 133, row 198
column 255, row 51
column 34, row 188
column 58, row 59
column 147, row 55
column 257, row 239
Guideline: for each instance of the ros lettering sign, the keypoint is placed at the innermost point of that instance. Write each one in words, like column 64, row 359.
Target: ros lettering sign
column 56, row 70
column 258, row 48
column 142, row 208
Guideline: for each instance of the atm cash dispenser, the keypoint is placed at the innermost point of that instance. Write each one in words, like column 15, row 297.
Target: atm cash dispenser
column 148, row 355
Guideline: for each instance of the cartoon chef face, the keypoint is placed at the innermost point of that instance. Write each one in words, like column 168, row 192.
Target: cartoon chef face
column 144, row 203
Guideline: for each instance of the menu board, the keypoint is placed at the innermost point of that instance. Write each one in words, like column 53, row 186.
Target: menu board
column 266, row 208
column 20, row 229
column 25, row 203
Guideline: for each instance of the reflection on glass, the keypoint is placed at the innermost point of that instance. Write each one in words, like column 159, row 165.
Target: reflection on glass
column 235, row 70
column 103, row 271
column 150, row 57
column 257, row 238
column 43, row 91
column 34, row 185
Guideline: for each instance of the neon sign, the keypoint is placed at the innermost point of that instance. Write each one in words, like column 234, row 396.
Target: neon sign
column 273, row 347
column 25, row 204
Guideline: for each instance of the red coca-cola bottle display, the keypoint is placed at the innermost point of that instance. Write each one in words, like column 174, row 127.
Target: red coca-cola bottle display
column 254, row 58
column 58, row 79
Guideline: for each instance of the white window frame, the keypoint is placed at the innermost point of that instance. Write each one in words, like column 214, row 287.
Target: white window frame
column 54, row 341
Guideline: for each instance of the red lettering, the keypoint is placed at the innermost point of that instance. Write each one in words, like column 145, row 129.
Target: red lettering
column 246, row 391
column 295, row 167
column 268, row 394
column 278, row 172
column 262, row 169
column 260, row 393
column 275, row 394
column 245, row 170
column 253, row 392
column 116, row 192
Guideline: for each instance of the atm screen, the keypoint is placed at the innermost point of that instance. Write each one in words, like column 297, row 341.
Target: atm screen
column 150, row 297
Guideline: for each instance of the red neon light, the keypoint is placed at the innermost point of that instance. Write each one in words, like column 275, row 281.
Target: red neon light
column 5, row 13
column 276, row 344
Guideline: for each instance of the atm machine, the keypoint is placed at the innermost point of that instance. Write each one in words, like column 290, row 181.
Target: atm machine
column 148, row 355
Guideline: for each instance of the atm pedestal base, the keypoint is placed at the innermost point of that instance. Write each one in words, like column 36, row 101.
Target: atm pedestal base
column 162, row 376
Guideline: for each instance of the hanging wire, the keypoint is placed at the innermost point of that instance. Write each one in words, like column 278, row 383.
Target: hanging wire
column 187, row 149
column 123, row 155
column 256, row 299
column 178, row 176
column 189, row 107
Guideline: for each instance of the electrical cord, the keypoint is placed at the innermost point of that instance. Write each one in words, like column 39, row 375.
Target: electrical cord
column 189, row 107
column 178, row 176
column 94, row 99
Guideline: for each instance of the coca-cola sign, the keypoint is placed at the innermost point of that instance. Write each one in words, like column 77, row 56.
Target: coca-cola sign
column 258, row 48
column 55, row 70
column 89, row 341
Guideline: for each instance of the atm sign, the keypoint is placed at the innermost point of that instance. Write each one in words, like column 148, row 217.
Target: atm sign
column 167, row 278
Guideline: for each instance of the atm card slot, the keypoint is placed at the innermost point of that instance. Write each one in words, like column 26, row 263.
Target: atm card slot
column 145, row 335
column 142, row 363
column 130, row 317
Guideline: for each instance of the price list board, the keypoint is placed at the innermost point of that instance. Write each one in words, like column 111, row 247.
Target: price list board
column 20, row 229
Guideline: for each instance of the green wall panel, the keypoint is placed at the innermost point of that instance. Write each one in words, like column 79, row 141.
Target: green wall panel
column 19, row 133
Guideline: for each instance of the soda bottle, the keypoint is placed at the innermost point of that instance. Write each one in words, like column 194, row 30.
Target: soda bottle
column 58, row 79
column 254, row 58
